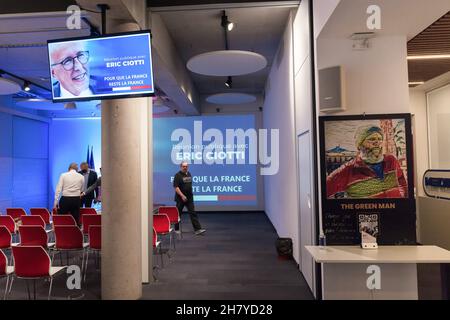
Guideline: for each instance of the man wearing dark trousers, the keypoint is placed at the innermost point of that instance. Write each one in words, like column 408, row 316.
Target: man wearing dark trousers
column 184, row 197
column 70, row 186
column 90, row 177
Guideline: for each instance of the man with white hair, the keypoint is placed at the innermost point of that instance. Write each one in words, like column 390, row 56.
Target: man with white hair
column 69, row 187
column 69, row 63
column 371, row 174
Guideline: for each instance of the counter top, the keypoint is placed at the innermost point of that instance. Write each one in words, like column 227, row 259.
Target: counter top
column 384, row 254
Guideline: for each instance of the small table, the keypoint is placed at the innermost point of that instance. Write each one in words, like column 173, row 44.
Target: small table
column 345, row 270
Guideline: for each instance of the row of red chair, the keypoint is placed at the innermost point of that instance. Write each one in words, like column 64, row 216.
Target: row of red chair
column 18, row 213
column 68, row 238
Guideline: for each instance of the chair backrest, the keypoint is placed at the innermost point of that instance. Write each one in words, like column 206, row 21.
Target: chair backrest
column 161, row 223
column 42, row 212
column 84, row 211
column 31, row 261
column 5, row 238
column 63, row 220
column 95, row 237
column 15, row 213
column 33, row 236
column 68, row 237
column 33, row 221
column 155, row 238
column 9, row 223
column 3, row 263
column 172, row 213
column 90, row 220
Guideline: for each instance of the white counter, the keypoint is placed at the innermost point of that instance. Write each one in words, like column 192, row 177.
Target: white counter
column 346, row 270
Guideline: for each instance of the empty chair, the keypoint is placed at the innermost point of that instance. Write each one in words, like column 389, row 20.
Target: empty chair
column 34, row 236
column 173, row 215
column 95, row 243
column 43, row 213
column 32, row 263
column 90, row 220
column 63, row 220
column 5, row 271
column 32, row 221
column 6, row 241
column 161, row 223
column 9, row 223
column 67, row 239
column 15, row 213
column 157, row 246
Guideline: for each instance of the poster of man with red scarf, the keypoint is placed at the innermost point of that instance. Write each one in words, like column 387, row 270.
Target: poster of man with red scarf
column 367, row 169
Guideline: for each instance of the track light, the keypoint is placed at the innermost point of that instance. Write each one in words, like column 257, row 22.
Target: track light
column 229, row 82
column 26, row 86
column 226, row 23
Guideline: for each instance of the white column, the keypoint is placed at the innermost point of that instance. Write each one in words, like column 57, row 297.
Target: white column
column 121, row 184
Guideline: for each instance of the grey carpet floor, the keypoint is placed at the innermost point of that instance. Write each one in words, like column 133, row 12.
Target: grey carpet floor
column 235, row 259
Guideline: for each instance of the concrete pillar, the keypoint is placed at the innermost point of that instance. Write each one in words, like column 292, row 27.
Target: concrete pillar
column 121, row 193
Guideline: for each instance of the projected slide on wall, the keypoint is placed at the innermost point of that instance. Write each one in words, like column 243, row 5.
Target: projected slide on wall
column 103, row 67
column 221, row 151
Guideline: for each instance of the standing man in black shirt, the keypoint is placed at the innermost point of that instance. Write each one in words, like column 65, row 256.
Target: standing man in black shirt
column 185, row 197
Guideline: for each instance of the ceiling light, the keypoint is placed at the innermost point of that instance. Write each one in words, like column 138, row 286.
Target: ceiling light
column 26, row 86
column 226, row 23
column 429, row 57
column 229, row 82
column 415, row 83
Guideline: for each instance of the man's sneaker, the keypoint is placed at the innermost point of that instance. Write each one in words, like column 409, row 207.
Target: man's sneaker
column 200, row 231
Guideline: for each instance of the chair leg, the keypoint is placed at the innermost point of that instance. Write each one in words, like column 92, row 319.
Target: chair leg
column 50, row 288
column 85, row 268
column 6, row 288
column 34, row 289
column 10, row 286
column 28, row 290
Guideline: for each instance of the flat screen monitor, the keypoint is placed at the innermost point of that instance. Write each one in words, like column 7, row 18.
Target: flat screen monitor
column 105, row 67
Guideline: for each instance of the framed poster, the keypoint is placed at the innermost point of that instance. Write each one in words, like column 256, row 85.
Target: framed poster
column 367, row 171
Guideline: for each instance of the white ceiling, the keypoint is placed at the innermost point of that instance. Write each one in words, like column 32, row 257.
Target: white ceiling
column 398, row 17
column 257, row 29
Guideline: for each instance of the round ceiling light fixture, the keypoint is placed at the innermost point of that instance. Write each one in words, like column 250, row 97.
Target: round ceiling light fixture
column 224, row 63
column 231, row 98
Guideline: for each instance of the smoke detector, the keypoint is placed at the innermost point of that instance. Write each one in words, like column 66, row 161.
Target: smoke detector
column 361, row 40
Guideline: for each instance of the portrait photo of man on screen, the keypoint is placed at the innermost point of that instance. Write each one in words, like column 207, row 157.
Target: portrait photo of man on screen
column 70, row 72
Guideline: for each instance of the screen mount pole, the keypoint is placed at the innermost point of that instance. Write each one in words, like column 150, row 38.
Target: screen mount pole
column 103, row 7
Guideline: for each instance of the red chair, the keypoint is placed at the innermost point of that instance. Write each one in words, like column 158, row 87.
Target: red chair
column 43, row 213
column 34, row 236
column 161, row 223
column 88, row 220
column 9, row 223
column 69, row 238
column 32, row 263
column 95, row 244
column 157, row 246
column 6, row 242
column 173, row 214
column 63, row 220
column 5, row 271
column 32, row 221
column 15, row 213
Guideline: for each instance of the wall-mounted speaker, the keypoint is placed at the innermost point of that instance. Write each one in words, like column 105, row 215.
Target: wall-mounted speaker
column 332, row 89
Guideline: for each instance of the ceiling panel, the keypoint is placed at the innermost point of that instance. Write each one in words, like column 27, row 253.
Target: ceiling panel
column 434, row 40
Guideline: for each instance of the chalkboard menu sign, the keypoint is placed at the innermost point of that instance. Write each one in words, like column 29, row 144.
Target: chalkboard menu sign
column 367, row 179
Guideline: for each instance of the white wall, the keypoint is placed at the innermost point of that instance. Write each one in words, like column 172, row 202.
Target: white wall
column 376, row 79
column 280, row 190
column 323, row 9
column 418, row 104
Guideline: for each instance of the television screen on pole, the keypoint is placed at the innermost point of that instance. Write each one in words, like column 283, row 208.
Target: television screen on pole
column 105, row 67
